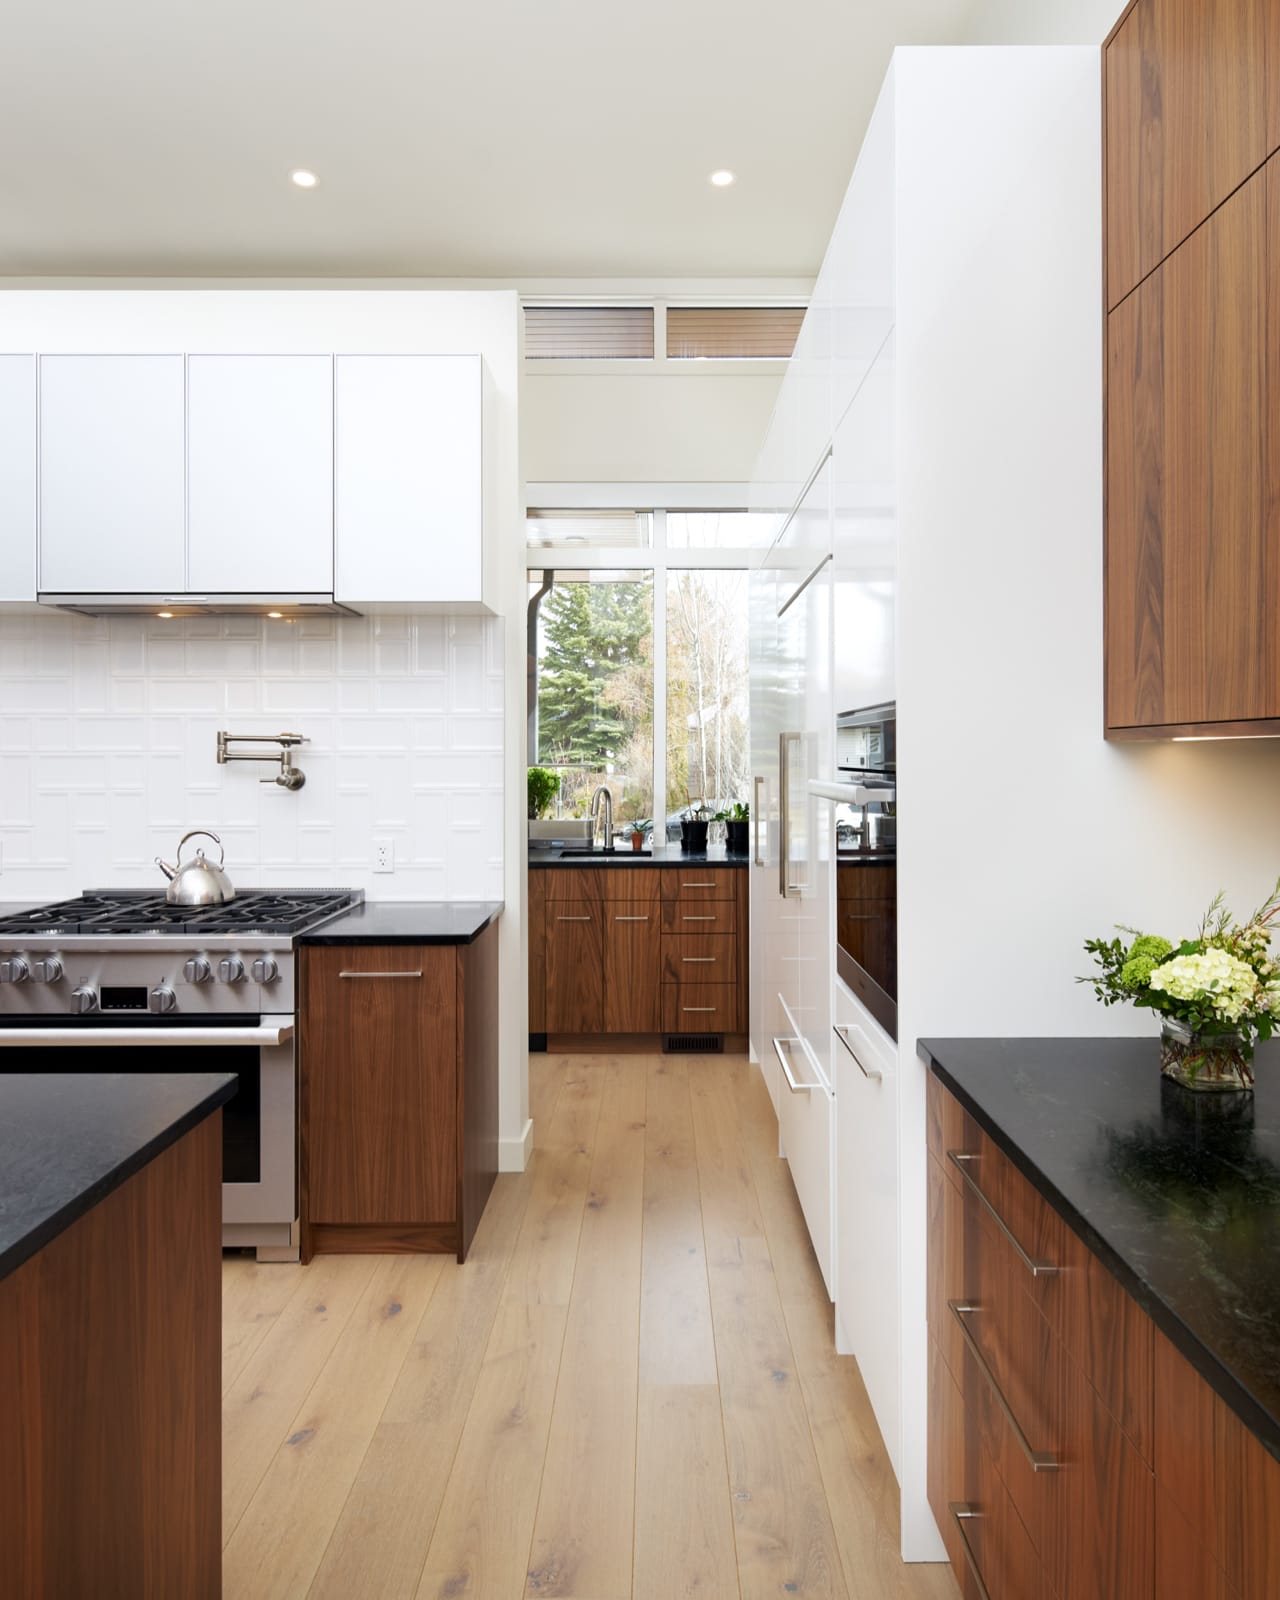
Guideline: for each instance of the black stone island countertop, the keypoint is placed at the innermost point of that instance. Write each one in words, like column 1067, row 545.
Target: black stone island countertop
column 1177, row 1192
column 669, row 855
column 68, row 1139
column 407, row 922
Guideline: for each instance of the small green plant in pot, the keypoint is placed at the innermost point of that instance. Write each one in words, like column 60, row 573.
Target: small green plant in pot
column 543, row 788
column 737, row 824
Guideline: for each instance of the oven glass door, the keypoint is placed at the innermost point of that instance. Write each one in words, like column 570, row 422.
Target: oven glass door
column 867, row 931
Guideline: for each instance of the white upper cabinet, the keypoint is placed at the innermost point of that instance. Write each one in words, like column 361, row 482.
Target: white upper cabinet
column 111, row 474
column 408, row 485
column 260, row 474
column 17, row 478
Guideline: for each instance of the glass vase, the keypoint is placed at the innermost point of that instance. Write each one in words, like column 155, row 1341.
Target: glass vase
column 1205, row 1061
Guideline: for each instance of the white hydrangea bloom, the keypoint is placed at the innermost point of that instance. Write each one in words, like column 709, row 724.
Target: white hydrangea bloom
column 1227, row 985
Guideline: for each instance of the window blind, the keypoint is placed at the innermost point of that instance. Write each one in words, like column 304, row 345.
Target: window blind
column 732, row 332
column 588, row 333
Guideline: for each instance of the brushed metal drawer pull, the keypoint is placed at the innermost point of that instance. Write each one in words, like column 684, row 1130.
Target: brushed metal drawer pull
column 1040, row 1460
column 573, row 919
column 963, row 1513
column 697, row 885
column 792, row 1083
column 630, row 919
column 694, row 961
column 1037, row 1269
column 697, row 1008
column 710, row 918
column 417, row 974
column 841, row 1031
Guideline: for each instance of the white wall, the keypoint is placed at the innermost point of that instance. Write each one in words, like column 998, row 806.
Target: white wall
column 313, row 674
column 1042, row 21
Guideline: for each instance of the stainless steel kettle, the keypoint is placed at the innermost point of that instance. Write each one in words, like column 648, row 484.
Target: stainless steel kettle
column 197, row 882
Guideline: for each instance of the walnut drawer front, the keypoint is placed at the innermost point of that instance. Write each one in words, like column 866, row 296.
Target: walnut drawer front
column 695, row 883
column 707, row 916
column 699, row 958
column 575, row 883
column 700, row 1007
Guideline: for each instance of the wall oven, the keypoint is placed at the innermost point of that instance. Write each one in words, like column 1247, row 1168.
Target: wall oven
column 867, row 859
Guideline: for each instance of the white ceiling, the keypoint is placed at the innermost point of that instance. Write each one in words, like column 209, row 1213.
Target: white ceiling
column 481, row 138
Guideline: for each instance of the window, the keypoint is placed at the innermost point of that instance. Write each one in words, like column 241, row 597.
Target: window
column 588, row 333
column 609, row 530
column 720, row 530
column 708, row 705
column 732, row 332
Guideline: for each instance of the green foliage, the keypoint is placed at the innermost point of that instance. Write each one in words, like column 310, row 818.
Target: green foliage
column 737, row 812
column 592, row 631
column 542, row 790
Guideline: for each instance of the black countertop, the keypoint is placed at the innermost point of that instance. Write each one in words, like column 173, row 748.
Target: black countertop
column 1177, row 1192
column 407, row 922
column 670, row 855
column 67, row 1140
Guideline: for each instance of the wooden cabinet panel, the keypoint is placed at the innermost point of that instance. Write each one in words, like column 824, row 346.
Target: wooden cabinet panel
column 537, row 952
column 381, row 1084
column 695, row 883
column 1187, row 121
column 684, row 916
column 632, row 968
column 699, row 958
column 699, row 1007
column 575, row 966
column 1185, row 1563
column 633, row 885
column 1247, row 1490
column 1187, row 581
column 574, row 883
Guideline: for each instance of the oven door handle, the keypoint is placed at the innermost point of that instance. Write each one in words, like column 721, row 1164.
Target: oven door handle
column 278, row 1034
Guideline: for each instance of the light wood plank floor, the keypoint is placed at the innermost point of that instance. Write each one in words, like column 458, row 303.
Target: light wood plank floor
column 630, row 1390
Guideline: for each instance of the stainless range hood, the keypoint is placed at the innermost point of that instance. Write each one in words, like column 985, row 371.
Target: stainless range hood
column 291, row 606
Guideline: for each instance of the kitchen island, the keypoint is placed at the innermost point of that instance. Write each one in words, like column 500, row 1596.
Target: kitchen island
column 1104, row 1294
column 110, row 1307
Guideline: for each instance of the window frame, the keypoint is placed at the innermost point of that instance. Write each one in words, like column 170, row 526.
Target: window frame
column 659, row 364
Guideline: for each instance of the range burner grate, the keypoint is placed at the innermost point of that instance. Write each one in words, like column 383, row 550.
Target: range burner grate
column 267, row 912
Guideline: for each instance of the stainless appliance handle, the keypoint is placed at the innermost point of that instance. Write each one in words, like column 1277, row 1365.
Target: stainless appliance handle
column 1040, row 1460
column 960, row 1159
column 755, row 817
column 851, row 794
column 12, row 1037
column 786, row 888
column 841, row 1031
column 781, row 1053
column 962, row 1513
column 416, row 974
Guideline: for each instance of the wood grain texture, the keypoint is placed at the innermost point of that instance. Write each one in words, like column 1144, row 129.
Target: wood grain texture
column 1247, row 1495
column 699, row 958
column 684, row 1546
column 1189, row 118
column 109, row 1456
column 637, row 886
column 382, row 1238
column 699, row 1007
column 253, row 1295
column 694, row 884
column 379, row 1085
column 632, row 967
column 708, row 916
column 574, row 883
column 575, row 966
column 536, row 917
column 477, row 1081
column 742, row 908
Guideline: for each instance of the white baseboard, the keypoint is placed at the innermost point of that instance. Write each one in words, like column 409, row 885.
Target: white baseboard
column 513, row 1154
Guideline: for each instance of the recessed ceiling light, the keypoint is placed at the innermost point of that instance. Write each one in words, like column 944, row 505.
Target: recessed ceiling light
column 308, row 180
column 164, row 613
column 723, row 178
column 276, row 614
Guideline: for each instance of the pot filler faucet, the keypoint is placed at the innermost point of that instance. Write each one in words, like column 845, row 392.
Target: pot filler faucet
column 288, row 777
column 608, row 817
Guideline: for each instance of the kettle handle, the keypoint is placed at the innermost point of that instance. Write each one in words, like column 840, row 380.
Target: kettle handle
column 201, row 833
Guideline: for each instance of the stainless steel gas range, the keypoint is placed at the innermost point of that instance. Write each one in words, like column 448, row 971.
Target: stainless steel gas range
column 151, row 987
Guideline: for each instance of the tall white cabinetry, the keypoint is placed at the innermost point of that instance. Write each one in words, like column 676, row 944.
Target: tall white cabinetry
column 955, row 333
column 112, row 474
column 17, row 478
column 260, row 474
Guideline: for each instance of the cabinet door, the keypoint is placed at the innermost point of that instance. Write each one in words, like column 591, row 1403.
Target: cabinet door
column 766, row 727
column 632, row 968
column 575, row 966
column 261, row 474
column 1192, row 590
column 112, row 478
column 380, row 1046
column 407, row 478
column 17, row 478
column 1187, row 121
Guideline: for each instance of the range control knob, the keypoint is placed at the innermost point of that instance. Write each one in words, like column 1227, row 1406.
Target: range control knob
column 197, row 969
column 84, row 1000
column 161, row 999
column 231, row 969
column 265, row 970
column 47, row 970
column 14, row 969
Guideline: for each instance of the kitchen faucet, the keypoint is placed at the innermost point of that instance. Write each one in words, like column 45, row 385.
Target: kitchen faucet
column 608, row 817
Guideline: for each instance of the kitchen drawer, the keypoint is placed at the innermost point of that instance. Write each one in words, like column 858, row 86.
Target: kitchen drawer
column 637, row 886
column 699, row 958
column 700, row 1007
column 985, row 1539
column 688, row 916
column 575, row 883
column 699, row 883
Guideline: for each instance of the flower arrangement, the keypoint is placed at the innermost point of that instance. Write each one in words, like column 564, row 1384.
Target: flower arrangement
column 1217, row 993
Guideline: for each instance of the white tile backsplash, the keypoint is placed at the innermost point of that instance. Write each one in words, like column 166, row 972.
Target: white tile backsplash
column 107, row 750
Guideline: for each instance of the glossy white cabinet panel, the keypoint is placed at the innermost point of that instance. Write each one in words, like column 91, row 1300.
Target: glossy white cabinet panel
column 260, row 474
column 111, row 474
column 763, row 870
column 408, row 500
column 17, row 478
column 806, row 1128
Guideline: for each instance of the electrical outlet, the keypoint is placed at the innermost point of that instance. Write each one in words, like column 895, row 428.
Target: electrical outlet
column 384, row 855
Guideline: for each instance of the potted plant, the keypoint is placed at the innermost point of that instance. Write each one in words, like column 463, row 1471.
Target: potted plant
column 1216, row 994
column 736, row 827
column 544, row 785
column 638, row 830
column 693, row 828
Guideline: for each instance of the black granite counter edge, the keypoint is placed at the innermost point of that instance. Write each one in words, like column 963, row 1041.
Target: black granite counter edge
column 1255, row 1416
column 407, row 922
column 57, row 1222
